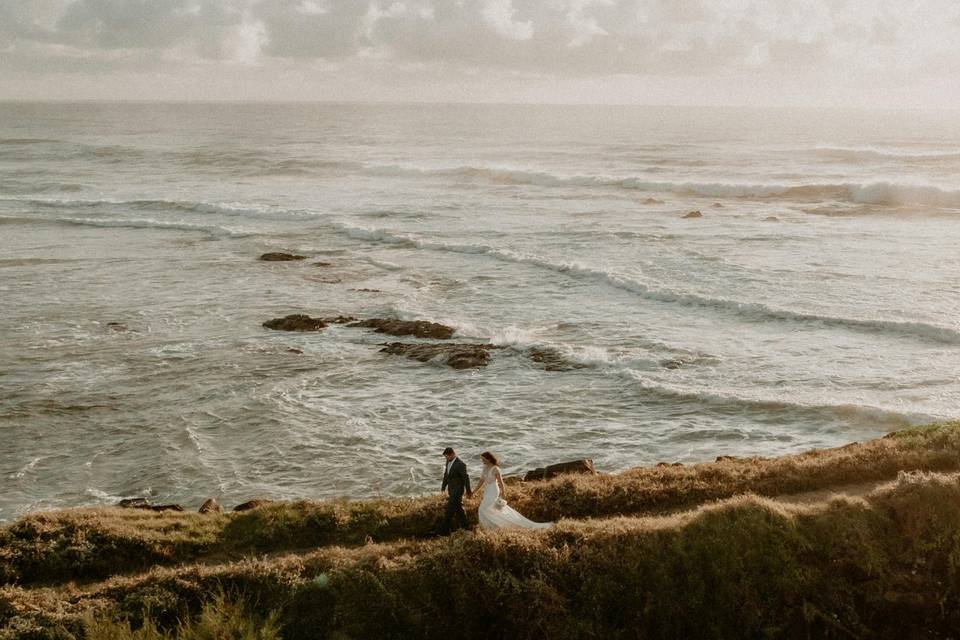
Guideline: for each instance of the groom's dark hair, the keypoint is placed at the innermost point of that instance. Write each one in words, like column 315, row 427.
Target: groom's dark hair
column 448, row 451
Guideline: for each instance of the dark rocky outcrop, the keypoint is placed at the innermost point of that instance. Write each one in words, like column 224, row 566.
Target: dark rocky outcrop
column 143, row 503
column 672, row 363
column 552, row 360
column 340, row 320
column 416, row 328
column 252, row 504
column 295, row 322
column 281, row 257
column 458, row 356
column 693, row 214
column 550, row 471
column 211, row 506
column 134, row 503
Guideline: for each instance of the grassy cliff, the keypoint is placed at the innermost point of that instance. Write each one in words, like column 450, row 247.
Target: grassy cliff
column 738, row 548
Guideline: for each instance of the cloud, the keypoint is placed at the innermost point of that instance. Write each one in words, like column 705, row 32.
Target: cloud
column 872, row 40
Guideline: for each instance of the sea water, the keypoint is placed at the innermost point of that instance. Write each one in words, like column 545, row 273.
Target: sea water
column 814, row 303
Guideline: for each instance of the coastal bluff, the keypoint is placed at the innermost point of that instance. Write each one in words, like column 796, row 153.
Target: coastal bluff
column 857, row 541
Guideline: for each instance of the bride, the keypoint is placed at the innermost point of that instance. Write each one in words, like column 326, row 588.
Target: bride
column 494, row 512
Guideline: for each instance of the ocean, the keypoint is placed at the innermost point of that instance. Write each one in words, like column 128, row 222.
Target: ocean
column 813, row 303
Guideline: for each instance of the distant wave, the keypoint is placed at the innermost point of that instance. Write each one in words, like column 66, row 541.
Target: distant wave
column 143, row 223
column 871, row 193
column 183, row 206
column 863, row 414
column 855, row 154
column 749, row 311
column 27, row 141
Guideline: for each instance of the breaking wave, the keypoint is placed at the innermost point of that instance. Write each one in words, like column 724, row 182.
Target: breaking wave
column 885, row 193
column 749, row 311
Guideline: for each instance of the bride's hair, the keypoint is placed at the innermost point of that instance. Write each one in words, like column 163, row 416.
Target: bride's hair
column 489, row 457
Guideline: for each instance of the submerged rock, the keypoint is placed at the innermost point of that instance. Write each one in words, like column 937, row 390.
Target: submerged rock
column 295, row 322
column 771, row 219
column 416, row 328
column 717, row 205
column 340, row 320
column 552, row 470
column 252, row 504
column 458, row 356
column 281, row 257
column 552, row 360
column 323, row 264
column 211, row 506
column 651, row 201
column 694, row 214
column 117, row 326
column 672, row 363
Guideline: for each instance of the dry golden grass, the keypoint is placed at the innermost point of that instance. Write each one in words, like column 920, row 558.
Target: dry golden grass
column 698, row 551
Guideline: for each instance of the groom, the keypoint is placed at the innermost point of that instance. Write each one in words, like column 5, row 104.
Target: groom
column 455, row 482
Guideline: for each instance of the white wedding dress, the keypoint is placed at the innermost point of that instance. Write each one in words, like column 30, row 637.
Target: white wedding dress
column 493, row 516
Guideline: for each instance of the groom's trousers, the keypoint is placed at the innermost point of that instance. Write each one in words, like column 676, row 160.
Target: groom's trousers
column 454, row 513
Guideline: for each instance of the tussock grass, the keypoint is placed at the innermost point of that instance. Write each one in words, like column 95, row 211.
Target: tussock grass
column 880, row 566
column 92, row 544
column 219, row 619
column 665, row 552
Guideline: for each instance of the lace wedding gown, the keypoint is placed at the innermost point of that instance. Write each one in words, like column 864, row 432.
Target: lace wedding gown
column 493, row 516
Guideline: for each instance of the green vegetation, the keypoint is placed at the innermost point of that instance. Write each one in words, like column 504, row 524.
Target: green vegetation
column 220, row 619
column 712, row 550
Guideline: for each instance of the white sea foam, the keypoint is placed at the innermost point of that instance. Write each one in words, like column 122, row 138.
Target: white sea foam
column 867, row 193
column 749, row 311
column 860, row 414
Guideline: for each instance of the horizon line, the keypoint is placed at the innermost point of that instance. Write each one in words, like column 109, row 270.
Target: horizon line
column 232, row 101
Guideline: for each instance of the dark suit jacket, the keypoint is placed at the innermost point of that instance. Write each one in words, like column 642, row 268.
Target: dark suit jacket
column 456, row 480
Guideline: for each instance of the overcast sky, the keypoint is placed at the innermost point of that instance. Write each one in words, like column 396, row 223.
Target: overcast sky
column 782, row 52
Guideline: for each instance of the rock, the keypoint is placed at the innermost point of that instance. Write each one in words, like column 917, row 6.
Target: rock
column 340, row 320
column 166, row 507
column 552, row 360
column 117, row 326
column 672, row 363
column 281, row 257
column 726, row 458
column 458, row 356
column 143, row 503
column 211, row 506
column 550, row 471
column 694, row 214
column 651, row 201
column 134, row 503
column 295, row 322
column 669, row 464
column 323, row 264
column 296, row 351
column 367, row 290
column 252, row 504
column 416, row 328
column 771, row 219
column 717, row 205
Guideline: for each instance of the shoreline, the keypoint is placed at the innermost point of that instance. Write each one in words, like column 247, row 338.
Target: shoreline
column 860, row 535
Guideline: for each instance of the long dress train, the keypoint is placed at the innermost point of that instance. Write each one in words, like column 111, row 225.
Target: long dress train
column 493, row 516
